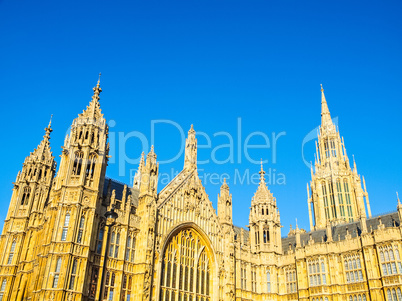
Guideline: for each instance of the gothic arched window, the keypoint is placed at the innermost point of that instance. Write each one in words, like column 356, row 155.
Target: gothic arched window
column 94, row 282
column 100, row 239
column 65, row 227
column 325, row 197
column 326, row 149
column 390, row 261
column 56, row 273
column 3, row 288
column 129, row 288
column 77, row 163
column 266, row 236
column 332, row 198
column 347, row 197
column 81, row 229
column 109, row 286
column 25, row 196
column 114, row 244
column 268, row 282
column 333, row 148
column 186, row 268
column 91, row 166
column 340, row 198
column 12, row 250
column 73, row 274
column 389, row 295
column 130, row 248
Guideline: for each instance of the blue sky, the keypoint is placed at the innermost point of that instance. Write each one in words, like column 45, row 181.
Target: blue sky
column 210, row 63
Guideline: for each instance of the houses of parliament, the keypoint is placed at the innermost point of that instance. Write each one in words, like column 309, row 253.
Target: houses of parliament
column 78, row 235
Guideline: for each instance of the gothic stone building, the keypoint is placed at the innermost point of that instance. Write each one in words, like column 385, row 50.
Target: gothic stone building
column 174, row 246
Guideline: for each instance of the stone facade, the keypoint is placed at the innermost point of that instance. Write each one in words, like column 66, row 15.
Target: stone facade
column 173, row 246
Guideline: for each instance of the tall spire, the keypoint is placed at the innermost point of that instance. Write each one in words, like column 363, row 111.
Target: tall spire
column 325, row 115
column 43, row 150
column 332, row 170
column 93, row 110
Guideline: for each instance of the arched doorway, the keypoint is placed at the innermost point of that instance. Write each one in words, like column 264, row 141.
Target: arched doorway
column 186, row 268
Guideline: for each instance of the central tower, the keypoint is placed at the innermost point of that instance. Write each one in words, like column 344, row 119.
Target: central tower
column 336, row 189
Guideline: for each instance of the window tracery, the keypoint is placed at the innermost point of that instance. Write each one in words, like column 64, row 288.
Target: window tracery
column 316, row 272
column 65, row 227
column 78, row 163
column 2, row 288
column 186, row 269
column 390, row 260
column 25, row 196
column 353, row 269
column 56, row 273
column 12, row 250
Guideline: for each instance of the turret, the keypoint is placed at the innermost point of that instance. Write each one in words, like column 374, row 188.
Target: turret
column 264, row 220
column 190, row 153
column 225, row 205
column 297, row 234
column 26, row 214
column 149, row 175
column 33, row 183
column 85, row 151
column 399, row 208
column 137, row 176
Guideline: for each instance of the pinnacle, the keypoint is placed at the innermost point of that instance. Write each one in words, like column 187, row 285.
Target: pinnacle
column 93, row 110
column 191, row 131
column 262, row 173
column 325, row 115
column 225, row 185
column 48, row 129
column 43, row 148
column 262, row 192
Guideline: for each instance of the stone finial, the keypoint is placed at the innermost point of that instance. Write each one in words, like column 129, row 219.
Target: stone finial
column 262, row 174
column 347, row 236
column 310, row 240
column 381, row 226
column 93, row 110
column 329, row 232
column 224, row 184
column 325, row 115
column 48, row 129
column 190, row 152
column 113, row 198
